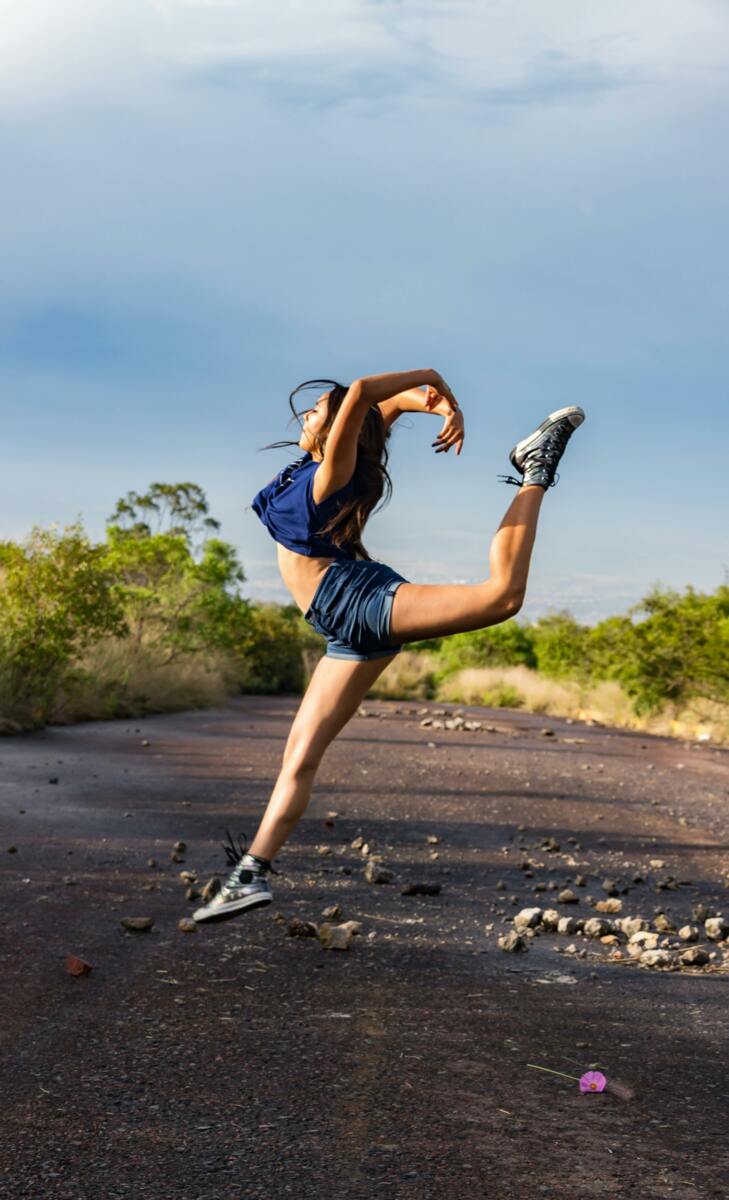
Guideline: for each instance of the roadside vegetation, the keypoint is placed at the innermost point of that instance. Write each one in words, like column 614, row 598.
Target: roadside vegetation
column 154, row 619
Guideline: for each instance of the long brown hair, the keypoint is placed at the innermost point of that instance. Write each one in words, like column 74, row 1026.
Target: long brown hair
column 371, row 478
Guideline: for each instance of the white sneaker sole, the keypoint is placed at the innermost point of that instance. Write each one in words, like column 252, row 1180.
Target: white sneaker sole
column 576, row 417
column 218, row 912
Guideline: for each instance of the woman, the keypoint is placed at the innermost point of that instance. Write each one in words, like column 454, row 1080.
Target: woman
column 316, row 509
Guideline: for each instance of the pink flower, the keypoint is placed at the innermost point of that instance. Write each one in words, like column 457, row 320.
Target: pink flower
column 592, row 1081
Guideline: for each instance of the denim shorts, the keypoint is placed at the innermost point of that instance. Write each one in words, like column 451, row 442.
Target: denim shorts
column 351, row 608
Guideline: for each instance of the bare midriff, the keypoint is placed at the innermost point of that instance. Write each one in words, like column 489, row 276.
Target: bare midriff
column 301, row 574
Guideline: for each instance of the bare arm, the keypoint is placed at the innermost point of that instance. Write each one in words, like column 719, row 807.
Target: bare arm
column 340, row 455
column 414, row 400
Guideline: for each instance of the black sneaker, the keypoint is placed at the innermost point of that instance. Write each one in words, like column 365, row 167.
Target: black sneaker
column 536, row 457
column 246, row 886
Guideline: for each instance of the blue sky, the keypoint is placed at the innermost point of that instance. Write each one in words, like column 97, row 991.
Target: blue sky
column 207, row 201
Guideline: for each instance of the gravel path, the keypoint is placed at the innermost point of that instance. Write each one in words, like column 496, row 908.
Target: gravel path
column 241, row 1062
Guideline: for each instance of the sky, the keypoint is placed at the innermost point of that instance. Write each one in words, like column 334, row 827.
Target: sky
column 207, row 201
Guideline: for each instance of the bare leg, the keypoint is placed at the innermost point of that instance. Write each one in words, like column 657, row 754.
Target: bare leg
column 435, row 610
column 334, row 694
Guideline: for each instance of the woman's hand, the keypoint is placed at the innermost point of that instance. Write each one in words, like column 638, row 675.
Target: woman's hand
column 452, row 433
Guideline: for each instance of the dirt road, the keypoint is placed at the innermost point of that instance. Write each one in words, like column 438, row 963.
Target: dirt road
column 239, row 1062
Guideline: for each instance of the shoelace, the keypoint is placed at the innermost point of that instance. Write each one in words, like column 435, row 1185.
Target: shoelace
column 234, row 853
column 519, row 482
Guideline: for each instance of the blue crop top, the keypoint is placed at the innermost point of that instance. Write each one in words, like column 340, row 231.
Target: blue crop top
column 287, row 508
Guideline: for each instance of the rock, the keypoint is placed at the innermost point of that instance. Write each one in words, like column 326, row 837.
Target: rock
column 138, row 924
column 567, row 897
column 550, row 844
column 700, row 912
column 657, row 958
column 528, row 918
column 375, row 873
column 610, row 887
column 332, row 912
column 151, row 862
column 688, row 933
column 611, row 905
column 335, row 937
column 551, row 918
column 500, row 886
column 180, row 848
column 631, row 925
column 427, row 721
column 568, row 925
column 186, row 925
column 357, row 844
column 547, row 732
column 188, row 877
column 597, row 927
column 303, row 929
column 580, row 881
column 695, row 956
column 716, row 929
column 512, row 942
column 432, row 840
column 12, row 849
column 145, row 741
column 664, row 924
column 77, row 966
column 420, row 889
column 353, row 926
column 192, row 893
column 657, row 864
column 644, row 940
column 323, row 850
column 212, row 887
column 540, row 887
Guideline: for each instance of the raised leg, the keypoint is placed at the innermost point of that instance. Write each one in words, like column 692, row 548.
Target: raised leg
column 334, row 694
column 434, row 609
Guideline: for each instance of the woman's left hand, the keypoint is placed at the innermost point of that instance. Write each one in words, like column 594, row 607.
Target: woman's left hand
column 452, row 433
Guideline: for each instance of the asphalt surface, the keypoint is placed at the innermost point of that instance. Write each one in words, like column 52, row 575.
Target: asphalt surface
column 240, row 1062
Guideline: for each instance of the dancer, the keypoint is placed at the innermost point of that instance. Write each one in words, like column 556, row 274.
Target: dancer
column 316, row 509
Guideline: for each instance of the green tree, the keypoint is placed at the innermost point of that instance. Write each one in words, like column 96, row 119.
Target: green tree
column 57, row 596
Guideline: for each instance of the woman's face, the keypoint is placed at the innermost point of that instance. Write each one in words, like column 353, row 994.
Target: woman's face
column 314, row 421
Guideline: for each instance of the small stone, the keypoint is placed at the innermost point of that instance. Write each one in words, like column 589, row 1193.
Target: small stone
column 332, row 912
column 151, row 862
column 631, row 925
column 357, row 844
column 716, row 929
column 69, row 880
column 610, row 887
column 551, row 918
column 688, row 933
column 597, row 927
column 512, row 942
column 567, row 897
column 211, row 888
column 192, row 893
column 420, row 889
column 580, row 881
column 500, row 886
column 77, row 966
column 188, row 877
column 375, row 873
column 700, row 912
column 528, row 918
column 568, row 926
column 138, row 924
column 611, row 905
column 335, row 937
column 302, row 929
column 664, row 924
column 53, row 779
column 322, row 850
column 551, row 845
column 657, row 958
column 540, row 887
column 695, row 956
column 432, row 840
column 657, row 864
column 186, row 925
column 180, row 847
column 547, row 732
column 12, row 849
